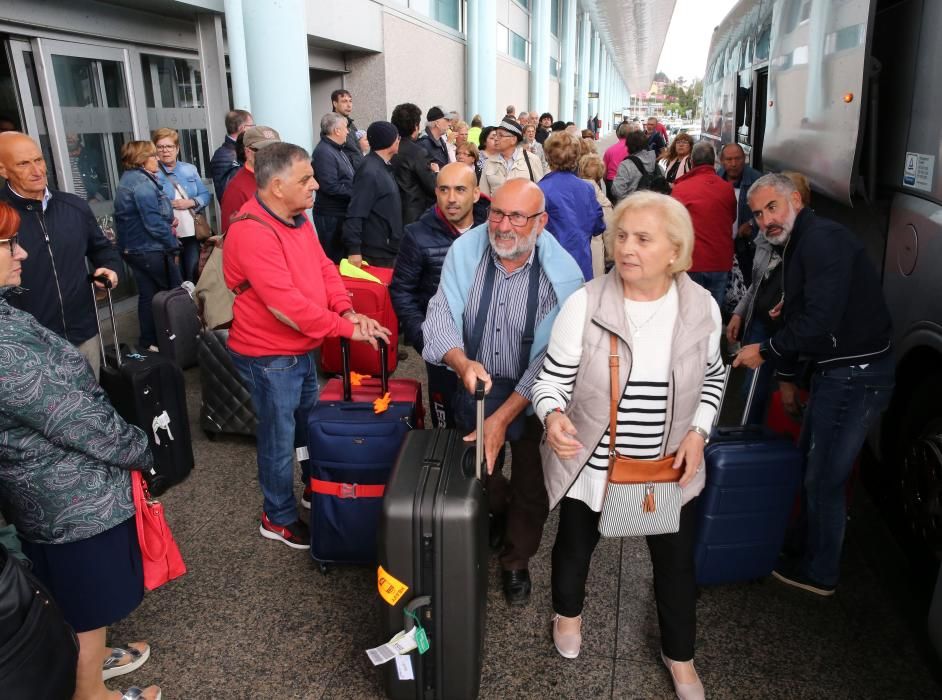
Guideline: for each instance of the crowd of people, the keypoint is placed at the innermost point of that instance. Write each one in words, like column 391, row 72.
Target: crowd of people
column 521, row 257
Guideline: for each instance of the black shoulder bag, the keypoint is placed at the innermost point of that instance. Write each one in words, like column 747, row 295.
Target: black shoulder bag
column 38, row 649
column 501, row 387
column 529, row 167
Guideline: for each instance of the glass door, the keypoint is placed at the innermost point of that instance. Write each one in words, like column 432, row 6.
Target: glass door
column 91, row 115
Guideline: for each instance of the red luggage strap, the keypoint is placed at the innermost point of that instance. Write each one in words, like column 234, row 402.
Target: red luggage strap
column 341, row 490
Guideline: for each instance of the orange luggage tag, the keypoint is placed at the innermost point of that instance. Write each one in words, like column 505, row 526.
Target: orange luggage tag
column 382, row 405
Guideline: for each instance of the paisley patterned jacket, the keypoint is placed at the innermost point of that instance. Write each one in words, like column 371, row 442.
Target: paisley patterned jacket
column 65, row 454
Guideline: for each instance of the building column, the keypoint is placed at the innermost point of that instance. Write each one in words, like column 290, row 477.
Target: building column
column 567, row 76
column 213, row 63
column 585, row 68
column 594, row 75
column 238, row 63
column 539, row 55
column 279, row 80
column 481, row 60
column 603, row 87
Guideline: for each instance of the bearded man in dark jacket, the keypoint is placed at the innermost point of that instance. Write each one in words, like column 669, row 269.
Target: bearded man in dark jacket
column 422, row 251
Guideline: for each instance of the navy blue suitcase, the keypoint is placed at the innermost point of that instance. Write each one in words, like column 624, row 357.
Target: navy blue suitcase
column 752, row 475
column 352, row 451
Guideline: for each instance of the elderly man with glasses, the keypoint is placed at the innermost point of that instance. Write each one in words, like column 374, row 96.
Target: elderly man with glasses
column 502, row 285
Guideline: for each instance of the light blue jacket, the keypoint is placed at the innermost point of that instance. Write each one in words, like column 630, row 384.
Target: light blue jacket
column 188, row 178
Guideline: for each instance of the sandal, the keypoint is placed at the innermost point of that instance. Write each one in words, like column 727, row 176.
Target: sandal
column 135, row 693
column 116, row 663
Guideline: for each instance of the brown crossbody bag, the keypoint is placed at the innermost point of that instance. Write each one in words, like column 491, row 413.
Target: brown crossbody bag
column 642, row 496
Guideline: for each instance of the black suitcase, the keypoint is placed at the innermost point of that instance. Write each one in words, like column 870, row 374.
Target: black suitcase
column 226, row 404
column 147, row 390
column 433, row 541
column 178, row 325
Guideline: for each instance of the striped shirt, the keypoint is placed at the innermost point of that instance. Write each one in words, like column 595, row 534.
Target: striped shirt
column 503, row 330
column 642, row 409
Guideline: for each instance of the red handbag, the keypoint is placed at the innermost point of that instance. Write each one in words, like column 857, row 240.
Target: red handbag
column 160, row 554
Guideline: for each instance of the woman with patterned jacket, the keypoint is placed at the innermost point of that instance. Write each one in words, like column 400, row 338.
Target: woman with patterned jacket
column 65, row 462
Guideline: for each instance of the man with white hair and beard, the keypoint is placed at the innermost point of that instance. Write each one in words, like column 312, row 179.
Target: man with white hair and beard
column 501, row 287
column 833, row 314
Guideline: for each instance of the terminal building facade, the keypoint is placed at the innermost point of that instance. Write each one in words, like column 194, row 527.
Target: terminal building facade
column 85, row 76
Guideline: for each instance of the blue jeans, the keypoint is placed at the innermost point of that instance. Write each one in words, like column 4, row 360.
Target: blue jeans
column 714, row 283
column 284, row 390
column 845, row 403
column 153, row 272
column 189, row 257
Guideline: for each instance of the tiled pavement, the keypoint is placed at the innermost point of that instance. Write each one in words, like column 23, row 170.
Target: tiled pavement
column 254, row 619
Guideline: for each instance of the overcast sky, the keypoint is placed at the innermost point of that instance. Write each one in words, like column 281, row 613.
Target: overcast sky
column 688, row 38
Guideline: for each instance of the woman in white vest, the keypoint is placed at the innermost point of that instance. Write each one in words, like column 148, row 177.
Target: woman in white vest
column 661, row 395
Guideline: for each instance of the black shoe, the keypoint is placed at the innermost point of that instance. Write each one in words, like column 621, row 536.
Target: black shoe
column 496, row 527
column 516, row 586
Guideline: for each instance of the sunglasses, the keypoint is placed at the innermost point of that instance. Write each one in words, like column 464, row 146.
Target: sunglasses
column 13, row 241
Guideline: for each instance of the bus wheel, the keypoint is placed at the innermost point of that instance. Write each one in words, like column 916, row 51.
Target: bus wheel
column 920, row 475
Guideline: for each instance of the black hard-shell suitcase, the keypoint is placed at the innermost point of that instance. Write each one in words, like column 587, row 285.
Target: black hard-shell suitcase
column 226, row 404
column 752, row 476
column 147, row 390
column 433, row 540
column 178, row 325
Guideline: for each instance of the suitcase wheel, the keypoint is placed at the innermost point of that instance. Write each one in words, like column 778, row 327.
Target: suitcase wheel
column 323, row 567
column 211, row 436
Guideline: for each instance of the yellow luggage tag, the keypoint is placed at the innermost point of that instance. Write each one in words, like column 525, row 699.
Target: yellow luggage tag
column 348, row 269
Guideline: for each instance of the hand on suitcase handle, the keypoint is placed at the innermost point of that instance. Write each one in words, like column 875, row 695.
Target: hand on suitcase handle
column 367, row 329
column 104, row 278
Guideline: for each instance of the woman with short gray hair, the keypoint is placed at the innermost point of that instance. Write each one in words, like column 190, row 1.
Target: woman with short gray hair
column 635, row 353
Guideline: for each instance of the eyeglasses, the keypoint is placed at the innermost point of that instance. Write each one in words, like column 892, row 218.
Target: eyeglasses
column 171, row 147
column 496, row 216
column 14, row 241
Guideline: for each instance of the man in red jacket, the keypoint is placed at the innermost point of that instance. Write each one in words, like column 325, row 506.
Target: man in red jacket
column 289, row 297
column 711, row 202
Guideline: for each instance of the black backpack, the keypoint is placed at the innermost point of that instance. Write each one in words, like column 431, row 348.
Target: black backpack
column 654, row 181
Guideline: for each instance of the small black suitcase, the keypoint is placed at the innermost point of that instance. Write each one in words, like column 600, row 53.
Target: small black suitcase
column 433, row 541
column 178, row 325
column 226, row 404
column 147, row 390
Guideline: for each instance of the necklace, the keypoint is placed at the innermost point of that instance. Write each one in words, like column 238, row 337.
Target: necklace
column 636, row 327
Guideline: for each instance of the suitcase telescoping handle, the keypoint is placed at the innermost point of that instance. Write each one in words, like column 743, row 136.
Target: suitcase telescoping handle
column 345, row 367
column 753, row 383
column 114, row 326
column 479, row 429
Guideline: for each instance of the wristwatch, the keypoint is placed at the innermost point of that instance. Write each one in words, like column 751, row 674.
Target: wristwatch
column 702, row 433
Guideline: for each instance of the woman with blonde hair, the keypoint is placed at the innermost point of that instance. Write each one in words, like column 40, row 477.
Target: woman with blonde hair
column 575, row 215
column 592, row 170
column 633, row 374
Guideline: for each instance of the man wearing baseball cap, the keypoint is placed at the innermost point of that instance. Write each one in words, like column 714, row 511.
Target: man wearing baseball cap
column 433, row 140
column 242, row 185
column 373, row 227
column 511, row 161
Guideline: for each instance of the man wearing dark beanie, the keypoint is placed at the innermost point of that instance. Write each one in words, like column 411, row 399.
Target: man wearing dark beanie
column 373, row 227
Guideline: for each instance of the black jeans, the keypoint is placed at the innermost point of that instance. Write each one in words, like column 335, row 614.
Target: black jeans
column 675, row 587
column 328, row 229
column 154, row 272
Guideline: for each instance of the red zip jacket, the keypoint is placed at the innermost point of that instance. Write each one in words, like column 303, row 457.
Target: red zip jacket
column 711, row 202
column 290, row 278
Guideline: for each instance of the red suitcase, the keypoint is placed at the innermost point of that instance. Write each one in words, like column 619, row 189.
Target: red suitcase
column 409, row 390
column 373, row 300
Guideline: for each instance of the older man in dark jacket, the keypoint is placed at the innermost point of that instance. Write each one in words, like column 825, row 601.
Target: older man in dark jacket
column 834, row 314
column 373, row 227
column 413, row 168
column 224, row 163
column 334, row 174
column 59, row 231
column 419, row 267
column 733, row 169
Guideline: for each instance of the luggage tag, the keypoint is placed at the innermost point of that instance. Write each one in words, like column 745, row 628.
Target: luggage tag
column 421, row 638
column 402, row 643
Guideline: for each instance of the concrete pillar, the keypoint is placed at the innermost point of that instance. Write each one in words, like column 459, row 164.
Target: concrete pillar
column 594, row 75
column 481, row 61
column 539, row 55
column 585, row 68
column 213, row 63
column 567, row 76
column 603, row 86
column 238, row 62
column 279, row 78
